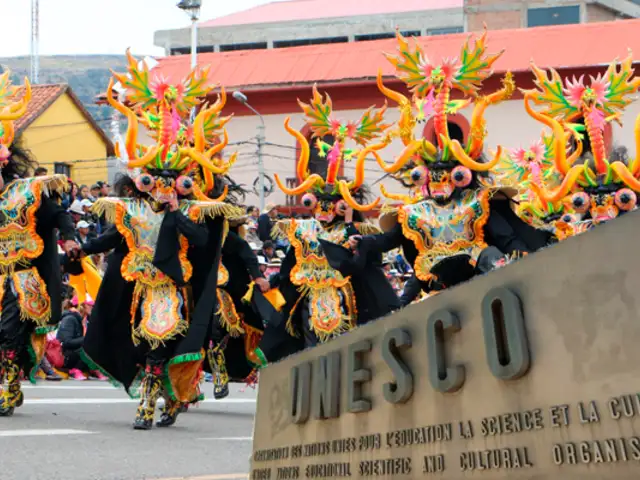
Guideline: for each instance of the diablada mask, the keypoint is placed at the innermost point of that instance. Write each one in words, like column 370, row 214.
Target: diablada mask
column 330, row 197
column 436, row 171
column 11, row 109
column 185, row 156
column 599, row 190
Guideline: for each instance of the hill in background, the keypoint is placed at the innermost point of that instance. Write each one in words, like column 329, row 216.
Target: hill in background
column 88, row 76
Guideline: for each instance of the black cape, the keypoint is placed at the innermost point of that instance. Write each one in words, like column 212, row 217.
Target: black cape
column 108, row 344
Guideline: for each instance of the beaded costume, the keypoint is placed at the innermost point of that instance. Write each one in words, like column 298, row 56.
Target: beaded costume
column 449, row 219
column 30, row 286
column 152, row 234
column 570, row 190
column 322, row 301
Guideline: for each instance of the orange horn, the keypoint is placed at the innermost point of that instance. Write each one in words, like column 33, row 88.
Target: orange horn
column 626, row 176
column 9, row 133
column 391, row 94
column 560, row 139
column 147, row 158
column 635, row 165
column 471, row 164
column 404, row 157
column 567, row 184
column 303, row 161
column 396, row 196
column 311, row 181
column 132, row 121
column 362, row 156
column 346, row 195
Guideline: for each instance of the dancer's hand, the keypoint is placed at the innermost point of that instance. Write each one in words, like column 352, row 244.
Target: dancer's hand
column 263, row 284
column 354, row 241
column 71, row 248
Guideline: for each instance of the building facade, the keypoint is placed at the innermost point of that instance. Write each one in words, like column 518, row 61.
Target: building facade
column 292, row 23
column 62, row 135
column 275, row 79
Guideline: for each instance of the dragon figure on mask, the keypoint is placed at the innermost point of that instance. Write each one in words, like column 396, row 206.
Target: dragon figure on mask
column 153, row 282
column 322, row 295
column 453, row 224
column 572, row 190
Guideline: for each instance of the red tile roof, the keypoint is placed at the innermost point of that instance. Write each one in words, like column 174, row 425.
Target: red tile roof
column 298, row 10
column 564, row 46
column 43, row 96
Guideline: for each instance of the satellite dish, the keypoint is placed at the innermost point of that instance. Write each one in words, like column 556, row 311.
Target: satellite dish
column 269, row 185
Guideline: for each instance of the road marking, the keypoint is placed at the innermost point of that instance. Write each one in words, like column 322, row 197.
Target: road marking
column 69, row 387
column 42, row 433
column 95, row 401
column 225, row 439
column 231, row 476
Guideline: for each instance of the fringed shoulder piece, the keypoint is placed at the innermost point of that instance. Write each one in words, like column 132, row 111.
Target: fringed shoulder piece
column 198, row 211
column 107, row 206
column 365, row 228
column 280, row 230
column 53, row 183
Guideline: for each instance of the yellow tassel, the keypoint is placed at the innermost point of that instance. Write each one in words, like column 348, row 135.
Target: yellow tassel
column 249, row 294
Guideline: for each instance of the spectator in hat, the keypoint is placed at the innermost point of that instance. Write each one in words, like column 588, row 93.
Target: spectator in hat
column 265, row 221
column 105, row 189
column 94, row 192
column 77, row 211
column 83, row 232
column 268, row 250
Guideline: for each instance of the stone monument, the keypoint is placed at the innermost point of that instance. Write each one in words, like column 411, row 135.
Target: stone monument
column 530, row 372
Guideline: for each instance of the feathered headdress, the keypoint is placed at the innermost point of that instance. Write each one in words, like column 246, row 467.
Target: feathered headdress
column 319, row 117
column 598, row 101
column 431, row 85
column 11, row 109
column 164, row 109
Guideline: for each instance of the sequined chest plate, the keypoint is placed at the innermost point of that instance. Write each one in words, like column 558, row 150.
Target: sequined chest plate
column 19, row 241
column 440, row 231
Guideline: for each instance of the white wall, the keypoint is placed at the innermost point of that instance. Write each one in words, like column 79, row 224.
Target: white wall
column 508, row 125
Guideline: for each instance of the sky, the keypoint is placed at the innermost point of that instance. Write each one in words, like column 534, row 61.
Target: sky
column 69, row 27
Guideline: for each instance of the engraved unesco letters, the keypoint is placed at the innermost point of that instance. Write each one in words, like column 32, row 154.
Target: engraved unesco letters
column 315, row 385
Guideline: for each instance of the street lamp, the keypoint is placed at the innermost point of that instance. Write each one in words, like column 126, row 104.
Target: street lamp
column 192, row 8
column 242, row 98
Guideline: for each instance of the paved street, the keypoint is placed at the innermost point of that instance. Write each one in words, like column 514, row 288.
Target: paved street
column 82, row 431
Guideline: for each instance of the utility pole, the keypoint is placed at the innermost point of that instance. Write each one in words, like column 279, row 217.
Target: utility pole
column 242, row 98
column 35, row 41
column 261, row 138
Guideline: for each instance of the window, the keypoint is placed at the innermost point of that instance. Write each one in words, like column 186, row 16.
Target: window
column 444, row 30
column 187, row 50
column 309, row 41
column 63, row 168
column 379, row 36
column 537, row 17
column 243, row 46
column 374, row 36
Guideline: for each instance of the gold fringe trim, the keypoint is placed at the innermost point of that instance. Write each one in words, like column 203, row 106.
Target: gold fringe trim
column 365, row 228
column 53, row 183
column 199, row 211
column 280, row 230
column 107, row 207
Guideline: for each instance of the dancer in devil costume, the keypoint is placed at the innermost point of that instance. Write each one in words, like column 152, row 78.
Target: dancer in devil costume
column 153, row 310
column 568, row 194
column 324, row 295
column 30, row 281
column 455, row 223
